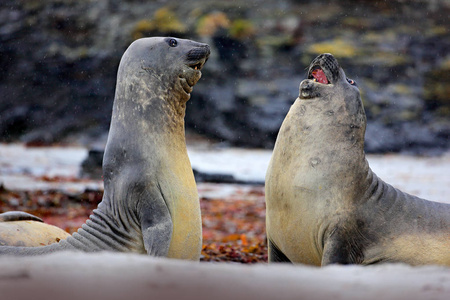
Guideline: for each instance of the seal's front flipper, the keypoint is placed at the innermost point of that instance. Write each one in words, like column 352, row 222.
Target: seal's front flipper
column 276, row 255
column 11, row 216
column 156, row 226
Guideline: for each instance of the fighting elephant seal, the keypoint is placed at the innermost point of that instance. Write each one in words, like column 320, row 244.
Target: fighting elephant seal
column 150, row 202
column 324, row 204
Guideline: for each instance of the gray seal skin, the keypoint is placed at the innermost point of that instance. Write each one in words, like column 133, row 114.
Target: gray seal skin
column 150, row 202
column 324, row 204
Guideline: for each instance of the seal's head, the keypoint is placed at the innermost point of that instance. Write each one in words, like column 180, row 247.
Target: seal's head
column 170, row 63
column 328, row 87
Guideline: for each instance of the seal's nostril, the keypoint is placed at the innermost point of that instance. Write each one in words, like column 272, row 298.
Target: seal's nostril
column 208, row 50
column 198, row 53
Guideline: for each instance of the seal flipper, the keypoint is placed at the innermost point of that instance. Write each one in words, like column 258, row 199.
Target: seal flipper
column 156, row 225
column 275, row 254
column 11, row 216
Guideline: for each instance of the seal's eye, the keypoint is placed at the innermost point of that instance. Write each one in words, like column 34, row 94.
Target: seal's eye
column 351, row 81
column 172, row 42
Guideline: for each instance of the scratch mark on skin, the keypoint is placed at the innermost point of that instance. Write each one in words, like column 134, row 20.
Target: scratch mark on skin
column 314, row 161
column 151, row 72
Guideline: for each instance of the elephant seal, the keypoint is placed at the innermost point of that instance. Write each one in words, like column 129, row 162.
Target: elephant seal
column 150, row 202
column 18, row 228
column 324, row 204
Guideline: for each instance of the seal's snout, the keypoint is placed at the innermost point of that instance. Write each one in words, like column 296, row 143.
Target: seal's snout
column 199, row 52
column 195, row 59
column 324, row 69
column 198, row 56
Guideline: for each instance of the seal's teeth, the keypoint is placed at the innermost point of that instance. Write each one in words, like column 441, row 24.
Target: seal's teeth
column 197, row 66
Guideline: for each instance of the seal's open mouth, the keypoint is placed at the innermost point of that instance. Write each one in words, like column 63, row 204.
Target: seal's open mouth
column 195, row 60
column 319, row 75
column 198, row 66
column 188, row 82
column 324, row 69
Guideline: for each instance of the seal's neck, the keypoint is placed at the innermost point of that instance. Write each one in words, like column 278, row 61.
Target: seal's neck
column 146, row 125
column 142, row 107
column 330, row 157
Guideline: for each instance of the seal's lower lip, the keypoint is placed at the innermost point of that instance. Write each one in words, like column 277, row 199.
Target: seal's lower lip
column 308, row 90
column 185, row 85
column 306, row 96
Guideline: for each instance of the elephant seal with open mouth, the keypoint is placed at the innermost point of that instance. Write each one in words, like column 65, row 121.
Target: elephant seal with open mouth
column 150, row 202
column 324, row 204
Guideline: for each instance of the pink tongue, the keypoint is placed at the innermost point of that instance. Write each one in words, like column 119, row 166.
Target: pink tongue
column 319, row 75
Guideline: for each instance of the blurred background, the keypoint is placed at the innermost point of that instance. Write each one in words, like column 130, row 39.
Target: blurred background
column 59, row 58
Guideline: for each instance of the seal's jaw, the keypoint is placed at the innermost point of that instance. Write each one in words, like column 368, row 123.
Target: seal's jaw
column 191, row 73
column 197, row 66
column 324, row 74
column 317, row 80
column 309, row 90
column 197, row 57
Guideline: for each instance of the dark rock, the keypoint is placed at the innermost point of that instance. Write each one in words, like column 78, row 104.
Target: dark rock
column 59, row 63
column 225, row 113
column 437, row 89
column 91, row 167
column 221, row 178
column 213, row 178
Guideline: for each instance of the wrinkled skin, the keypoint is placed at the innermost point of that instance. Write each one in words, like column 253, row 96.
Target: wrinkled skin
column 324, row 204
column 150, row 202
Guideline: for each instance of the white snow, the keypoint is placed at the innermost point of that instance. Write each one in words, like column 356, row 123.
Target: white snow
column 22, row 168
column 243, row 164
column 39, row 161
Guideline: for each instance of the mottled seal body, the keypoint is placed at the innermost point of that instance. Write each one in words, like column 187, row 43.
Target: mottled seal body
column 150, row 202
column 324, row 204
column 25, row 230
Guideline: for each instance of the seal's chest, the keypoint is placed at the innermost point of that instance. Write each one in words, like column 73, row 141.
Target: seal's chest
column 186, row 239
column 178, row 186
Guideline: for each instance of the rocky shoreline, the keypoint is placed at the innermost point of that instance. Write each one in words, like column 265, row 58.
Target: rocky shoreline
column 59, row 62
